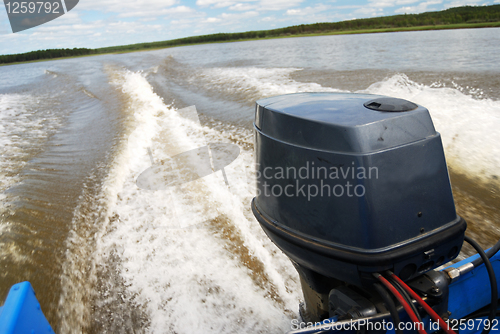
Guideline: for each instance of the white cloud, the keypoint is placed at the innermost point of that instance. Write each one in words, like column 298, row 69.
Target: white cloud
column 223, row 3
column 278, row 4
column 420, row 8
column 79, row 35
column 204, row 3
column 377, row 7
column 458, row 3
column 367, row 12
column 242, row 7
column 212, row 20
column 120, row 6
column 180, row 9
column 235, row 17
column 135, row 21
column 308, row 11
column 348, row 7
column 264, row 5
column 271, row 18
column 389, row 3
column 159, row 12
column 405, row 2
column 235, row 20
column 381, row 3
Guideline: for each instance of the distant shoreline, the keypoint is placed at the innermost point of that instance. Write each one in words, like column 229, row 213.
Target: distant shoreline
column 325, row 33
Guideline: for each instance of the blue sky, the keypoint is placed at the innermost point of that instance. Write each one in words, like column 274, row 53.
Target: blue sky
column 98, row 23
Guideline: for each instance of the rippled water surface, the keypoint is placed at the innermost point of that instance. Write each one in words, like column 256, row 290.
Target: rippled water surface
column 106, row 256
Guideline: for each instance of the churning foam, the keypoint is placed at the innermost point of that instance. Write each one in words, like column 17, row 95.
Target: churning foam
column 255, row 82
column 193, row 255
column 469, row 124
column 16, row 126
column 25, row 126
column 470, row 127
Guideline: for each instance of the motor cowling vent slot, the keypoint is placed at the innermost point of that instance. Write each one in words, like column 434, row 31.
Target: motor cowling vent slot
column 390, row 104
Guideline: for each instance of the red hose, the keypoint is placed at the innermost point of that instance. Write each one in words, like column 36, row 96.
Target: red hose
column 426, row 307
column 402, row 301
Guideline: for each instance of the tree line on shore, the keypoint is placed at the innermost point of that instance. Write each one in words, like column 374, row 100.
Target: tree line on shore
column 452, row 16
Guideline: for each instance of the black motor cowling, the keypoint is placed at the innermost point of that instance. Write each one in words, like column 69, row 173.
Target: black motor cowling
column 352, row 184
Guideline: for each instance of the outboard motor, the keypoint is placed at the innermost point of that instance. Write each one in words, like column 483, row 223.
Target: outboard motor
column 349, row 185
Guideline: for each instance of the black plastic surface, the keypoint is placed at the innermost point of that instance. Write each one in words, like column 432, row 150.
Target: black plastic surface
column 404, row 218
column 390, row 104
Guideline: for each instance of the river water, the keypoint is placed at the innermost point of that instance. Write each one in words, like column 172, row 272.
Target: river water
column 106, row 256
